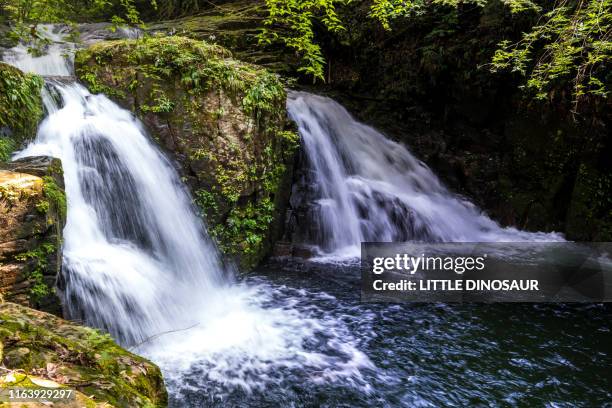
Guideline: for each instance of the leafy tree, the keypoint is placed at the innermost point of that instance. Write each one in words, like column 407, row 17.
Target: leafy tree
column 570, row 41
column 299, row 16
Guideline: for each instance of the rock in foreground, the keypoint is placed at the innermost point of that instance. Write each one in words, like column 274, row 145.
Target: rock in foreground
column 76, row 357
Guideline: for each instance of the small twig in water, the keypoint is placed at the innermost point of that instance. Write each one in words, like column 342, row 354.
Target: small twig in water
column 161, row 334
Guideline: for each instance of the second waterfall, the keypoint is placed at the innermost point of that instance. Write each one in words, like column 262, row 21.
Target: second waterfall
column 365, row 187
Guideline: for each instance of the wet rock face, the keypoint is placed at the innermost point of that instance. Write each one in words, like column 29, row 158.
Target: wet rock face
column 223, row 122
column 36, row 346
column 91, row 33
column 32, row 216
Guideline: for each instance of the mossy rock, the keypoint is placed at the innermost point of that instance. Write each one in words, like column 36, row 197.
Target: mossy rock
column 223, row 120
column 42, row 345
column 20, row 108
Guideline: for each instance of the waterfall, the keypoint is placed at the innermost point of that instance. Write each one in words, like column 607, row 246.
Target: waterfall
column 137, row 261
column 132, row 240
column 130, row 223
column 52, row 59
column 369, row 188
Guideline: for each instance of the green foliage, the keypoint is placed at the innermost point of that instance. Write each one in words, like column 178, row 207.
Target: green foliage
column 39, row 262
column 387, row 10
column 24, row 16
column 570, row 42
column 207, row 201
column 246, row 229
column 265, row 95
column 55, row 195
column 298, row 17
column 20, row 107
column 7, row 146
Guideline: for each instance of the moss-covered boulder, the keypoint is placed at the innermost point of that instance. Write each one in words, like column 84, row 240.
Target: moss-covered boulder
column 42, row 345
column 224, row 121
column 32, row 216
column 20, row 108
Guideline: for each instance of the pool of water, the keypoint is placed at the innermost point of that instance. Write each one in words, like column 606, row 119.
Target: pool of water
column 412, row 355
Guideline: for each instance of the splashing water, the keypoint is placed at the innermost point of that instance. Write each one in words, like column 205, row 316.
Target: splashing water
column 138, row 263
column 370, row 188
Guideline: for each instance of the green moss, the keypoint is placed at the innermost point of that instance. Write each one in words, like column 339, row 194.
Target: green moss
column 39, row 261
column 197, row 65
column 56, row 196
column 20, row 108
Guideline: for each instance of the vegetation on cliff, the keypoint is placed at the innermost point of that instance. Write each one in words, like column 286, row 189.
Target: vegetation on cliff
column 25, row 16
column 224, row 119
column 569, row 41
column 20, row 108
column 34, row 343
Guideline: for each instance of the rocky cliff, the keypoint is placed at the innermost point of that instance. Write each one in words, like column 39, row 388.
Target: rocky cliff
column 535, row 164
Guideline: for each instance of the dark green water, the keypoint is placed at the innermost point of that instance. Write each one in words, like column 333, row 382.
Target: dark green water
column 425, row 355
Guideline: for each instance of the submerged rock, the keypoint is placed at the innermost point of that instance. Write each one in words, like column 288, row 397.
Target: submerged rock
column 33, row 212
column 223, row 121
column 37, row 348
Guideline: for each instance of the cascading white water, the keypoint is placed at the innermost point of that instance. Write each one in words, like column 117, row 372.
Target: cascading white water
column 54, row 59
column 137, row 261
column 130, row 223
column 370, row 188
